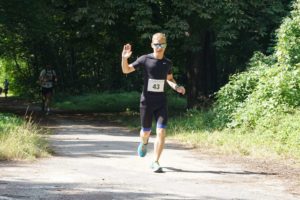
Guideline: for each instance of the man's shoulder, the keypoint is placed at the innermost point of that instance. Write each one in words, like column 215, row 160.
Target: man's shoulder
column 150, row 56
column 167, row 60
column 143, row 57
column 43, row 71
column 47, row 70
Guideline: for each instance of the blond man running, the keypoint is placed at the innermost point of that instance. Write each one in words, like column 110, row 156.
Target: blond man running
column 153, row 103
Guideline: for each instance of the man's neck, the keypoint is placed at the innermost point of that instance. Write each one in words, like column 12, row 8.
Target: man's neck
column 158, row 56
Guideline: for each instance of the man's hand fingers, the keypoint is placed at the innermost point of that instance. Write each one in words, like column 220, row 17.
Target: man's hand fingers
column 127, row 47
column 126, row 51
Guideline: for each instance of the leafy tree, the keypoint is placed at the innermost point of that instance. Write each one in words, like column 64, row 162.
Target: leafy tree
column 208, row 40
column 270, row 87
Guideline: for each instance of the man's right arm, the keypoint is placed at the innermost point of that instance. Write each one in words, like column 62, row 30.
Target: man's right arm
column 126, row 68
column 41, row 77
column 126, row 53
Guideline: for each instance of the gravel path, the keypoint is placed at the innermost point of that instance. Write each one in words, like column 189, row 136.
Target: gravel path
column 95, row 160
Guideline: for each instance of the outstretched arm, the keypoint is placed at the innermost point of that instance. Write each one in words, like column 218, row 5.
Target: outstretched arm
column 172, row 83
column 126, row 53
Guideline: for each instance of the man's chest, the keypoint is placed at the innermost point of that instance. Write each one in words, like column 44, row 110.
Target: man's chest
column 156, row 68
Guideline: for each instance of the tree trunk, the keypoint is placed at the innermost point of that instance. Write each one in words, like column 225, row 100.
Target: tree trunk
column 202, row 72
column 192, row 78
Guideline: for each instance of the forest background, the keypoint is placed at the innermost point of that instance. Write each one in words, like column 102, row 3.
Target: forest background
column 239, row 61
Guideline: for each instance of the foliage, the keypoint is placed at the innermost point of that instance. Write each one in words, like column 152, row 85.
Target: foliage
column 272, row 95
column 16, row 78
column 83, row 39
column 20, row 139
column 232, row 95
column 111, row 102
column 273, row 137
column 192, row 121
column 287, row 48
column 270, row 86
column 260, row 106
column 104, row 102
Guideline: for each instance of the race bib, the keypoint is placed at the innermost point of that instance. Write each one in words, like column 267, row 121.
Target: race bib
column 155, row 85
column 47, row 84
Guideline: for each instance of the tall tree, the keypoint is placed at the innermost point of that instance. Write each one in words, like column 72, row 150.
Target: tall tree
column 208, row 39
column 215, row 37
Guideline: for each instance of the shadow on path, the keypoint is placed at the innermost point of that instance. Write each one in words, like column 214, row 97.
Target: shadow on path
column 172, row 169
column 72, row 191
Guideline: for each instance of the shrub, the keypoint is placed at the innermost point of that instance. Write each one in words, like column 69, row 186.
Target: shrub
column 277, row 91
column 270, row 85
column 239, row 87
column 288, row 48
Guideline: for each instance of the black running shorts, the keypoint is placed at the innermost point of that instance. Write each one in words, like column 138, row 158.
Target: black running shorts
column 47, row 91
column 158, row 110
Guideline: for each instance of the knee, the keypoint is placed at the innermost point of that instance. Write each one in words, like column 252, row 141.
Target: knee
column 145, row 133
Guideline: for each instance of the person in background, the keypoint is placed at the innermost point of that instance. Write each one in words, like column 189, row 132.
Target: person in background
column 6, row 85
column 47, row 79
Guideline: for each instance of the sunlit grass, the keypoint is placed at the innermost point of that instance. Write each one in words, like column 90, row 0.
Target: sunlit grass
column 274, row 137
column 20, row 139
column 111, row 102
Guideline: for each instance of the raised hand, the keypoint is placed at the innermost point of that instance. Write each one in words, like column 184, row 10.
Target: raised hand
column 126, row 53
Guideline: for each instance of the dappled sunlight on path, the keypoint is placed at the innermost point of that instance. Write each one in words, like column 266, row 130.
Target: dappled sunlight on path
column 96, row 159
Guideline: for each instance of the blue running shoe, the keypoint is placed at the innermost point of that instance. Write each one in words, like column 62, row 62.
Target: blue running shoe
column 142, row 149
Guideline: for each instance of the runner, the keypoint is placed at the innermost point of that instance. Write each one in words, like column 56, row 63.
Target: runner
column 157, row 71
column 5, row 84
column 47, row 79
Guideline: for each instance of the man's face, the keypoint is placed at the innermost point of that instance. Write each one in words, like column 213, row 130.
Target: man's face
column 159, row 45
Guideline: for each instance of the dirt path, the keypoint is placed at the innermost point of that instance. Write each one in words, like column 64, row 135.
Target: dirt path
column 97, row 160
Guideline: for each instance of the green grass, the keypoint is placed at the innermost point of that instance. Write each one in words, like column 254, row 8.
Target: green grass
column 111, row 102
column 20, row 139
column 274, row 137
column 104, row 102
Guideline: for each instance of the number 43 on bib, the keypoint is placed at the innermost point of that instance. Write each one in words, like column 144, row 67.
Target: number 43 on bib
column 155, row 85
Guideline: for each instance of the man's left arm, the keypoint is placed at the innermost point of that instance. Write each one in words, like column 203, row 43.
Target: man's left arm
column 172, row 83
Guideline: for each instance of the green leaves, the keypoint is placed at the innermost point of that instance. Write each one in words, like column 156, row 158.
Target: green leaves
column 287, row 48
column 83, row 38
column 270, row 86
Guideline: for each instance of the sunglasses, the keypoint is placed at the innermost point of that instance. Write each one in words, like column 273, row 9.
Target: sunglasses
column 157, row 45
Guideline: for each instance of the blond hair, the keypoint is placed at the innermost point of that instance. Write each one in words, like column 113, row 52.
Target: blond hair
column 159, row 35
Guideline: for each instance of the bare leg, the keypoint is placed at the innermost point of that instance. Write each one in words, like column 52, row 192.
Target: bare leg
column 47, row 102
column 159, row 143
column 43, row 102
column 144, row 135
